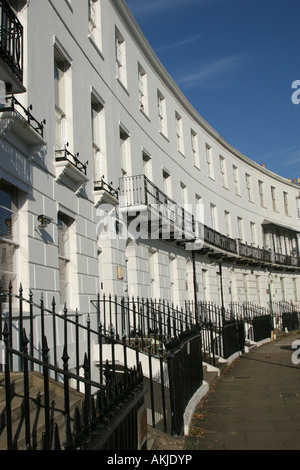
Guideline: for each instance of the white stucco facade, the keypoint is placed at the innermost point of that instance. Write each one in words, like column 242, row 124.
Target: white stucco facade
column 90, row 73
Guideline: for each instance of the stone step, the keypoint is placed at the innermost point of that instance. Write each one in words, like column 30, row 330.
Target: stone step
column 37, row 411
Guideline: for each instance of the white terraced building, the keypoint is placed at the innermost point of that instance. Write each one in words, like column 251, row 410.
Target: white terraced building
column 92, row 122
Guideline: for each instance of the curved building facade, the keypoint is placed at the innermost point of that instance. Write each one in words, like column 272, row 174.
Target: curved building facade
column 112, row 182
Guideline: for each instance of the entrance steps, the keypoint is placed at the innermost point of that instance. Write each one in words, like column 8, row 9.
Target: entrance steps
column 37, row 409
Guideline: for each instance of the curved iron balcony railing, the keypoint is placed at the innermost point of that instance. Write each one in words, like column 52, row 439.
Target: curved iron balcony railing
column 11, row 40
column 63, row 155
column 13, row 105
column 139, row 190
column 102, row 185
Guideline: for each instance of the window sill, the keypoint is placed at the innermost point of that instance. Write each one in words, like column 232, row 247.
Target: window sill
column 9, row 242
column 122, row 85
column 13, row 122
column 164, row 136
column 95, row 45
column 145, row 114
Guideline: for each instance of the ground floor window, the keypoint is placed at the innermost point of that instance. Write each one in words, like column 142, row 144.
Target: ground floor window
column 8, row 235
column 64, row 225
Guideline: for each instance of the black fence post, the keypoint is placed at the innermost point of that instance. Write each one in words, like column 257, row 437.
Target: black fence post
column 160, row 350
column 42, row 317
column 68, row 444
column 7, row 388
column 125, row 361
column 47, row 434
column 31, row 328
column 88, row 321
column 151, row 383
column 87, row 396
column 54, row 334
column 21, row 323
column 171, row 392
column 10, row 335
column 24, row 349
column 100, row 353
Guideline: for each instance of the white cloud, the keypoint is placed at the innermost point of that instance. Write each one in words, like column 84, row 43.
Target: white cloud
column 146, row 7
column 216, row 69
column 183, row 42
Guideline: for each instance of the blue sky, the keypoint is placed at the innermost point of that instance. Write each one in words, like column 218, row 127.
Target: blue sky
column 235, row 61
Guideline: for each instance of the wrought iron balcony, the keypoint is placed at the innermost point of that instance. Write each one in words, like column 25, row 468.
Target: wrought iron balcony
column 22, row 114
column 286, row 260
column 254, row 252
column 220, row 241
column 11, row 48
column 139, row 193
column 103, row 186
column 70, row 169
column 64, row 155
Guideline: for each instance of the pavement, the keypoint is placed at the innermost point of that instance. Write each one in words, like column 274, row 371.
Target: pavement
column 254, row 404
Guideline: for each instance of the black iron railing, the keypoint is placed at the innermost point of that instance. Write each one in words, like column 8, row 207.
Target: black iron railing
column 63, row 155
column 11, row 40
column 102, row 185
column 218, row 240
column 13, row 105
column 139, row 190
column 254, row 252
column 106, row 396
column 158, row 331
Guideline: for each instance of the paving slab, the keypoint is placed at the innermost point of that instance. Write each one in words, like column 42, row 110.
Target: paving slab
column 254, row 405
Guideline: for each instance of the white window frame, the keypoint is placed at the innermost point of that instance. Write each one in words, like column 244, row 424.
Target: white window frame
column 9, row 236
column 98, row 133
column 236, row 180
column 120, row 52
column 253, row 233
column 162, row 118
column 167, row 182
column 64, row 224
column 184, row 194
column 63, row 96
column 147, row 164
column 273, row 197
column 223, row 171
column 286, row 203
column 195, row 149
column 179, row 133
column 240, row 228
column 227, row 223
column 249, row 187
column 261, row 193
column 95, row 23
column 209, row 161
column 124, row 150
column 143, row 90
column 213, row 216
